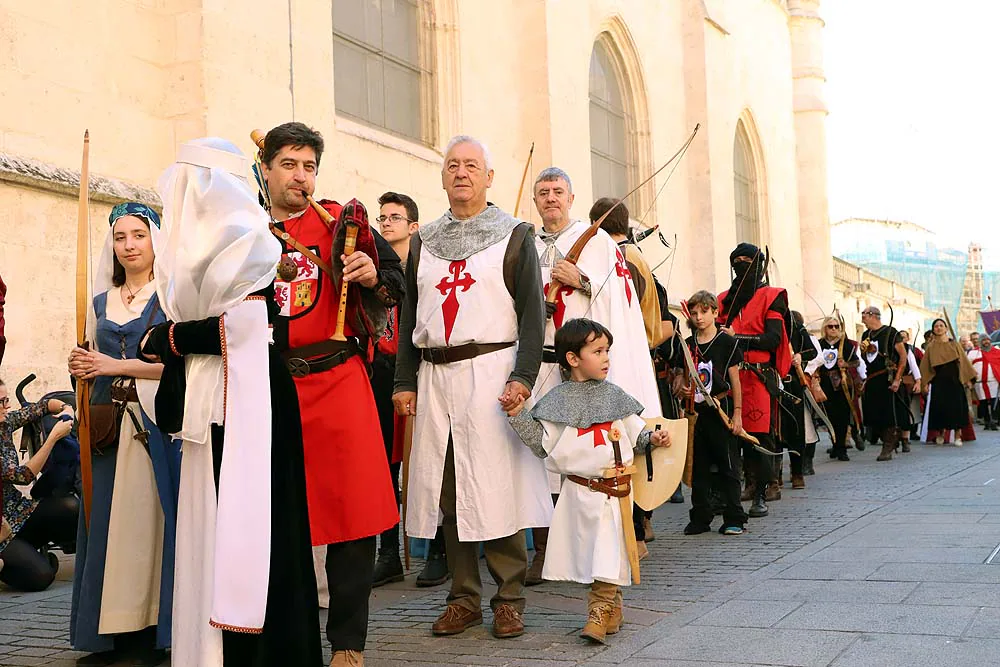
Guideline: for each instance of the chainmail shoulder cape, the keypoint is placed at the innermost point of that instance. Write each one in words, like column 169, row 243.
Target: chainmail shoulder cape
column 583, row 404
column 452, row 239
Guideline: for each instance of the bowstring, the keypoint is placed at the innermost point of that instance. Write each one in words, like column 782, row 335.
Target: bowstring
column 593, row 298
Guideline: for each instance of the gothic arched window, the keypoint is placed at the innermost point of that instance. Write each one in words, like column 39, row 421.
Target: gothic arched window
column 611, row 161
column 745, row 189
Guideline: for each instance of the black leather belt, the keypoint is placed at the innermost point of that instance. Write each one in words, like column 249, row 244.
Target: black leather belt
column 321, row 356
column 448, row 355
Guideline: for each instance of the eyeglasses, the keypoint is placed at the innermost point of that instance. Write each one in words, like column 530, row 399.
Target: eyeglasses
column 394, row 218
column 832, row 326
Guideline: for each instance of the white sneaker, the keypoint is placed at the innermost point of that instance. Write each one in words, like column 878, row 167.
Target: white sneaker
column 958, row 442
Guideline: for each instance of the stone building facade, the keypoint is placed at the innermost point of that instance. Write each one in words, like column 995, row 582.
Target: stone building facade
column 606, row 89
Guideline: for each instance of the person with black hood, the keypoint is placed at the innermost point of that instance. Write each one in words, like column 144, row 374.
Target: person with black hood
column 757, row 315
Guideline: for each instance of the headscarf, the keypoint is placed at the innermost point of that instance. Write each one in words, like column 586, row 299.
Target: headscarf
column 939, row 352
column 103, row 276
column 748, row 276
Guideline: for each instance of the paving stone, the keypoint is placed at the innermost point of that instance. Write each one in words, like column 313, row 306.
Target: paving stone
column 919, row 651
column 884, row 618
column 831, row 591
column 757, row 646
column 748, row 613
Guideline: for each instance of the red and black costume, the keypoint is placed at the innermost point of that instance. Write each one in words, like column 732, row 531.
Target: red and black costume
column 759, row 317
column 350, row 493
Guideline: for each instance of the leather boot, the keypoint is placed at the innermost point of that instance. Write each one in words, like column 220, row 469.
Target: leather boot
column 347, row 659
column 889, row 439
column 798, row 482
column 541, row 538
column 759, row 507
column 435, row 570
column 388, row 567
column 772, row 492
column 598, row 620
column 807, row 459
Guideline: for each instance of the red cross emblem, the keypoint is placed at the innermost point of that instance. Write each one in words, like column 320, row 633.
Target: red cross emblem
column 560, row 313
column 449, row 287
column 621, row 268
column 598, row 430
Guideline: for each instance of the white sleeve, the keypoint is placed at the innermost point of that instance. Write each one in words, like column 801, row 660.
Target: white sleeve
column 914, row 366
column 817, row 360
column 862, row 368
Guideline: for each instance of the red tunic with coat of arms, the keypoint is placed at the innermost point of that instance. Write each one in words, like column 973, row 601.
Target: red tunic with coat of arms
column 751, row 320
column 348, row 486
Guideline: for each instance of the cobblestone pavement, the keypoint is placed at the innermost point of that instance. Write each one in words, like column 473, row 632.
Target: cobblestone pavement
column 872, row 564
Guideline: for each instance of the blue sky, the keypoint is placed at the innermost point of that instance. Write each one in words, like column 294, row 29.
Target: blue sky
column 914, row 115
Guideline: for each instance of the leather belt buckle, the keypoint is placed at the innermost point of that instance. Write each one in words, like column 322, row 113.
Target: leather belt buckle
column 591, row 484
column 436, row 355
column 299, row 368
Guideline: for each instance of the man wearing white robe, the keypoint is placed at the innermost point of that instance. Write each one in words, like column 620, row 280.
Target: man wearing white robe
column 593, row 288
column 473, row 321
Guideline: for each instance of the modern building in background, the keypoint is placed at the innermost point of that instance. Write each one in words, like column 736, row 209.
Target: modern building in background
column 918, row 258
column 606, row 89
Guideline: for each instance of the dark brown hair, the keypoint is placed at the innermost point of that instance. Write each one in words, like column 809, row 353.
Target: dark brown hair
column 292, row 134
column 573, row 335
column 403, row 200
column 617, row 220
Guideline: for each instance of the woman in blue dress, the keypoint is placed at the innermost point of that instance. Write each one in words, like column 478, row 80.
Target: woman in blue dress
column 135, row 479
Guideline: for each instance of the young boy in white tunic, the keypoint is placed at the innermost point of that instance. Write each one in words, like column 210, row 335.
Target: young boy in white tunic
column 576, row 427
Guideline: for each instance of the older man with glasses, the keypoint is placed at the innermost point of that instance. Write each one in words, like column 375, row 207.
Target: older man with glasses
column 885, row 401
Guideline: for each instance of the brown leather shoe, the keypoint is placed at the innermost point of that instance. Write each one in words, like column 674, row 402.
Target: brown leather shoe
column 507, row 622
column 772, row 492
column 456, row 619
column 647, row 529
column 597, row 624
column 798, row 482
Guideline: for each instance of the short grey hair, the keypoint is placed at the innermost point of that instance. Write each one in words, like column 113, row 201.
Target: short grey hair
column 466, row 139
column 550, row 174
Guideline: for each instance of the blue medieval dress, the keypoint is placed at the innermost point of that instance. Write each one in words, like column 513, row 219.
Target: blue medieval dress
column 134, row 507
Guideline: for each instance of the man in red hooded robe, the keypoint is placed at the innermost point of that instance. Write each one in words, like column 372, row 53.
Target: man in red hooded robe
column 757, row 315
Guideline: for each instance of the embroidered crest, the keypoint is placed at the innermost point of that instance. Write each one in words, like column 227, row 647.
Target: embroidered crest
column 705, row 369
column 871, row 352
column 830, row 358
column 297, row 297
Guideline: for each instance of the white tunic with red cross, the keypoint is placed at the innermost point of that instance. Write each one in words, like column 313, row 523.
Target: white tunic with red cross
column 586, row 539
column 501, row 486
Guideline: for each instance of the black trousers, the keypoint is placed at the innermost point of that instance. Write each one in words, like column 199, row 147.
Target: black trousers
column 714, row 444
column 760, row 466
column 25, row 568
column 349, row 570
column 839, row 412
column 383, row 371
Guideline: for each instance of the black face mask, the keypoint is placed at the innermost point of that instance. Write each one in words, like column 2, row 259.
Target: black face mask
column 740, row 269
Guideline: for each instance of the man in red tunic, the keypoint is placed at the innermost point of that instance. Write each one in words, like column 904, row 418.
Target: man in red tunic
column 757, row 315
column 348, row 487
